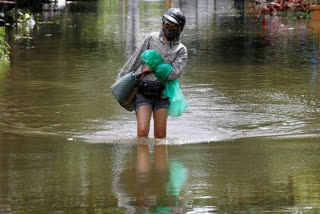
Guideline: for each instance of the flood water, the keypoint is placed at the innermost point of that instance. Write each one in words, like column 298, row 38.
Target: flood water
column 248, row 143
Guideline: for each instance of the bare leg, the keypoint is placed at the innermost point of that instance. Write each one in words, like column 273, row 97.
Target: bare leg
column 160, row 157
column 143, row 121
column 160, row 117
column 143, row 158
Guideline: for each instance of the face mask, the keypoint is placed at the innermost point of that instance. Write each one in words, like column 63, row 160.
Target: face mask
column 170, row 33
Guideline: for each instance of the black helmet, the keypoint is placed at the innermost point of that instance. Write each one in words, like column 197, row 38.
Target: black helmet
column 175, row 16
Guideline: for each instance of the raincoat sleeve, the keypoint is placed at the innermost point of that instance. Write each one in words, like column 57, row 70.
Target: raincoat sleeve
column 134, row 62
column 178, row 64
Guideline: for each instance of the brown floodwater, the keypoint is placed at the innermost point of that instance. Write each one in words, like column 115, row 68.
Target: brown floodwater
column 248, row 143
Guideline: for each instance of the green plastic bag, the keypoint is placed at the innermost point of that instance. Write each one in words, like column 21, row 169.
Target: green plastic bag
column 177, row 101
column 152, row 58
column 178, row 176
column 163, row 70
column 172, row 90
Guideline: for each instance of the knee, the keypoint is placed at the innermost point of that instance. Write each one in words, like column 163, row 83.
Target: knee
column 143, row 132
column 160, row 134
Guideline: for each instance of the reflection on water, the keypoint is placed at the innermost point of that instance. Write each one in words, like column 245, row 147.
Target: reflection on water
column 247, row 144
column 152, row 186
column 253, row 175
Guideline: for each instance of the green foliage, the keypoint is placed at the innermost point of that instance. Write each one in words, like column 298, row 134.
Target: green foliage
column 293, row 14
column 303, row 15
column 23, row 16
column 6, row 17
column 4, row 48
column 282, row 14
column 2, row 16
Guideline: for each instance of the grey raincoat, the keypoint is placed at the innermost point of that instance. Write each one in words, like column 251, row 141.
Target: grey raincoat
column 174, row 53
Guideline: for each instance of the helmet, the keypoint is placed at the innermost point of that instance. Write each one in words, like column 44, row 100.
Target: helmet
column 175, row 16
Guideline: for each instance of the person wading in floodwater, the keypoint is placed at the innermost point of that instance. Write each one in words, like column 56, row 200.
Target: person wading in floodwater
column 166, row 42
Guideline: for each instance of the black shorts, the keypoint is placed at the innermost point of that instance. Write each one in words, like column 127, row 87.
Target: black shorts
column 154, row 102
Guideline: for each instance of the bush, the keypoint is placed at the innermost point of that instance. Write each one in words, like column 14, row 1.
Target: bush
column 4, row 47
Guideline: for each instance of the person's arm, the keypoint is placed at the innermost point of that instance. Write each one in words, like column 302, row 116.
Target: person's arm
column 134, row 62
column 178, row 64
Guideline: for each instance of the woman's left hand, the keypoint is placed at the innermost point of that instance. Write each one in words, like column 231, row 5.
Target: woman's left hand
column 146, row 69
